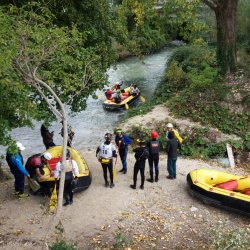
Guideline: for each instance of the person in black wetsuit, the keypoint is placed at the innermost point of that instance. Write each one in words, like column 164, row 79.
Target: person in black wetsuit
column 153, row 159
column 141, row 154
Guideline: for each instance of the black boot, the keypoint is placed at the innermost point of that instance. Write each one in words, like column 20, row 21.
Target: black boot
column 133, row 186
column 156, row 176
column 151, row 179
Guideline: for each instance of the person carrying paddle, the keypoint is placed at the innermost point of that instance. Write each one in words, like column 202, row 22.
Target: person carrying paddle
column 71, row 172
column 15, row 162
column 105, row 153
column 169, row 128
column 122, row 141
column 141, row 154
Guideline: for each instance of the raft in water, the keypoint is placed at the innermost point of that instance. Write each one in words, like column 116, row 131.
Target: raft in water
column 221, row 189
column 124, row 104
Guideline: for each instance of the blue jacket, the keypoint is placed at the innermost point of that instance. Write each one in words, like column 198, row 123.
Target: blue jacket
column 122, row 142
column 16, row 162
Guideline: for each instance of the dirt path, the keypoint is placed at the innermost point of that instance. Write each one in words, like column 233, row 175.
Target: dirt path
column 163, row 215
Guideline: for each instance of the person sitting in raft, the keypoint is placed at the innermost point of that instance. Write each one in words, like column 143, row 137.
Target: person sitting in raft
column 118, row 85
column 116, row 96
column 108, row 94
column 134, row 90
column 35, row 165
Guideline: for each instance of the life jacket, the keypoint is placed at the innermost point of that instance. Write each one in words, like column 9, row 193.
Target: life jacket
column 108, row 94
column 141, row 154
column 154, row 147
column 106, row 151
column 33, row 162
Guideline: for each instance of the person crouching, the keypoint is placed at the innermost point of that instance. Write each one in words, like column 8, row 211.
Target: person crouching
column 105, row 153
column 141, row 154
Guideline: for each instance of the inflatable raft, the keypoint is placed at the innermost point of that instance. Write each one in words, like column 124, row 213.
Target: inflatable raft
column 221, row 189
column 127, row 99
column 84, row 178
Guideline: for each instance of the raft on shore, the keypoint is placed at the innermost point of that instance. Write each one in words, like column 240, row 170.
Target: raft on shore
column 84, row 178
column 221, row 189
column 127, row 99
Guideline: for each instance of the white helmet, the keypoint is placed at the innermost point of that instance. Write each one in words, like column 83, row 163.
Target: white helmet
column 20, row 146
column 47, row 156
column 169, row 125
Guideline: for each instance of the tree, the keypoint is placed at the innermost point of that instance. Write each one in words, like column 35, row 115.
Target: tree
column 225, row 12
column 43, row 61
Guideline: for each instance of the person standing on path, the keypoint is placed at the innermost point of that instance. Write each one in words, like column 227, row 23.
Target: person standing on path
column 47, row 137
column 141, row 155
column 153, row 159
column 105, row 153
column 172, row 151
column 15, row 162
column 122, row 141
column 169, row 128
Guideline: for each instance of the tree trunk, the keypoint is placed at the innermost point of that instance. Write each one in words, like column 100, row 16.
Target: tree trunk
column 225, row 13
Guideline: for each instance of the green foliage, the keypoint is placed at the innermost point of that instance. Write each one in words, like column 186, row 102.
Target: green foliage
column 121, row 241
column 238, row 238
column 61, row 243
column 32, row 42
column 182, row 19
column 140, row 110
column 140, row 28
column 243, row 24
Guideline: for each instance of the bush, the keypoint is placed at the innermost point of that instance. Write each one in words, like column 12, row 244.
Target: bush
column 62, row 245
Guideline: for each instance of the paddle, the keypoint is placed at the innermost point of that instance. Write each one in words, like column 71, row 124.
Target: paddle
column 126, row 106
column 34, row 185
column 142, row 98
column 53, row 200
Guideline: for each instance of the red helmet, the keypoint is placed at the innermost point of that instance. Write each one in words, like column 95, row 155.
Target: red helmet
column 154, row 135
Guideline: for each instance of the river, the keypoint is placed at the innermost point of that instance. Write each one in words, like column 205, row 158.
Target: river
column 91, row 124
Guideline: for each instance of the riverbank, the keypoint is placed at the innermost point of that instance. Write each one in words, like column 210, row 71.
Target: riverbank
column 162, row 216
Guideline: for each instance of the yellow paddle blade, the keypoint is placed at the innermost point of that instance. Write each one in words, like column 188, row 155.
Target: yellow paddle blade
column 142, row 98
column 126, row 106
column 114, row 172
column 53, row 201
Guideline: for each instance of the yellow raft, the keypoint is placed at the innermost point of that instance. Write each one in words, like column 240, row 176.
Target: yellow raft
column 221, row 189
column 84, row 178
column 124, row 104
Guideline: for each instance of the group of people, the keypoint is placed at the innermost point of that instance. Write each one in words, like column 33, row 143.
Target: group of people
column 145, row 150
column 34, row 168
column 117, row 94
column 105, row 153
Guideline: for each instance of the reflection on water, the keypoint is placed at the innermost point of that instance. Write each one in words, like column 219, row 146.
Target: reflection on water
column 91, row 124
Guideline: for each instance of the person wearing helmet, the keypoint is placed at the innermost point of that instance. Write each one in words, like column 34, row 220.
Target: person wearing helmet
column 105, row 153
column 153, row 159
column 35, row 165
column 14, row 159
column 134, row 90
column 172, row 151
column 71, row 172
column 141, row 154
column 169, row 127
column 122, row 141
